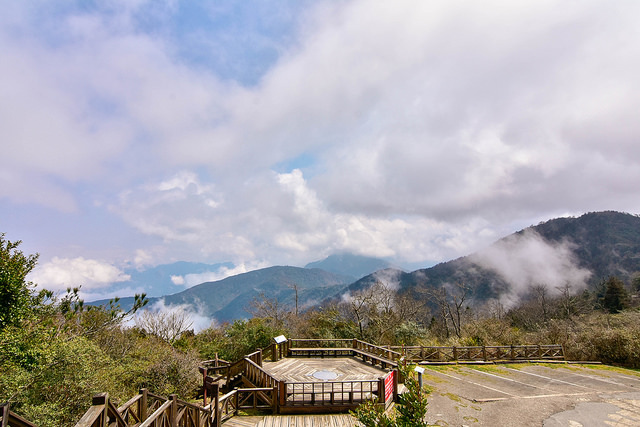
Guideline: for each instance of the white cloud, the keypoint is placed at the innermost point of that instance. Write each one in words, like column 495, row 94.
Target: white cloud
column 178, row 280
column 142, row 258
column 432, row 128
column 290, row 223
column 62, row 273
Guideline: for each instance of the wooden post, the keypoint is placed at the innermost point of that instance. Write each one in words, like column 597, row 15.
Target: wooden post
column 143, row 404
column 5, row 408
column 103, row 400
column 204, row 386
column 484, row 353
column 215, row 407
column 283, row 395
column 354, row 345
column 275, row 399
column 396, row 378
column 173, row 410
column 381, row 390
column 236, row 402
column 455, row 353
column 513, row 354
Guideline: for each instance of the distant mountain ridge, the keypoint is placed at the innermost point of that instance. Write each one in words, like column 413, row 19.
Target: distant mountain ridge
column 356, row 266
column 576, row 251
column 230, row 298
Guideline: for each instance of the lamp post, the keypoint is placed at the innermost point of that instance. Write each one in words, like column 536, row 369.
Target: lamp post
column 420, row 371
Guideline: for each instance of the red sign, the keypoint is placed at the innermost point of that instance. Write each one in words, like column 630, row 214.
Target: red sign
column 388, row 386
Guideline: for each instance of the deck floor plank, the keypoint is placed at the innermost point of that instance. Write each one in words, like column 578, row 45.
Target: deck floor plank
column 338, row 420
column 302, row 369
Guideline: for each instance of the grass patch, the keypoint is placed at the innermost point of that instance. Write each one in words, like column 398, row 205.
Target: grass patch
column 609, row 368
column 491, row 369
column 253, row 412
column 453, row 397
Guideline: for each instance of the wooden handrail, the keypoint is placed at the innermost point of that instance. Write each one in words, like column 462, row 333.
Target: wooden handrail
column 128, row 403
column 268, row 379
column 10, row 418
column 156, row 414
column 103, row 411
column 293, row 342
column 375, row 349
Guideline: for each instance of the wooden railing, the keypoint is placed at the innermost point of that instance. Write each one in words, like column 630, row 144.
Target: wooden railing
column 245, row 398
column 480, row 353
column 257, row 398
column 227, row 407
column 257, row 376
column 145, row 410
column 11, row 419
column 387, row 353
column 329, row 393
column 320, row 343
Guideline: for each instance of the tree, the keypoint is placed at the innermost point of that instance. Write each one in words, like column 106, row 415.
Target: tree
column 16, row 294
column 270, row 309
column 167, row 324
column 450, row 300
column 616, row 297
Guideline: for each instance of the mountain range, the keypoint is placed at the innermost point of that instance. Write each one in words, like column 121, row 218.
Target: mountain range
column 563, row 252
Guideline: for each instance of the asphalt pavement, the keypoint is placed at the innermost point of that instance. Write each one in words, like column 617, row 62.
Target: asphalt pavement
column 554, row 395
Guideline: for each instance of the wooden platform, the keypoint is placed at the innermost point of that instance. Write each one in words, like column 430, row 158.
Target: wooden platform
column 341, row 420
column 302, row 370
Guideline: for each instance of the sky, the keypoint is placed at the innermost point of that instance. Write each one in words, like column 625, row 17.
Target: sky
column 137, row 133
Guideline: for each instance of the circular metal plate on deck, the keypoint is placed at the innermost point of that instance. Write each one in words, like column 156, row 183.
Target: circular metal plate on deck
column 325, row 375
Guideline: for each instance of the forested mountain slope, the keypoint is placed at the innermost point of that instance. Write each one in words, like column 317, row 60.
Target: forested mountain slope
column 576, row 252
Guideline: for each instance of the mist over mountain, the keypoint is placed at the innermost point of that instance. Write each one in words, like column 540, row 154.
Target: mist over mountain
column 575, row 252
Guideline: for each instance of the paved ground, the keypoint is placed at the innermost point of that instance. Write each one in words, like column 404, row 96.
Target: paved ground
column 533, row 395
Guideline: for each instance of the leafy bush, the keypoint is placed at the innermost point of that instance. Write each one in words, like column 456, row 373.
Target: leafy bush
column 410, row 411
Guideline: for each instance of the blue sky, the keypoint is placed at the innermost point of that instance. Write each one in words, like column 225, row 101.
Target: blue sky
column 136, row 133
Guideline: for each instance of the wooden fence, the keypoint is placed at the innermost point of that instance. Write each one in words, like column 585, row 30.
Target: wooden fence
column 480, row 353
column 335, row 396
column 11, row 419
column 369, row 353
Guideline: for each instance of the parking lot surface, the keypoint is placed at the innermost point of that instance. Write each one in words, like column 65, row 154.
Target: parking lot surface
column 549, row 395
